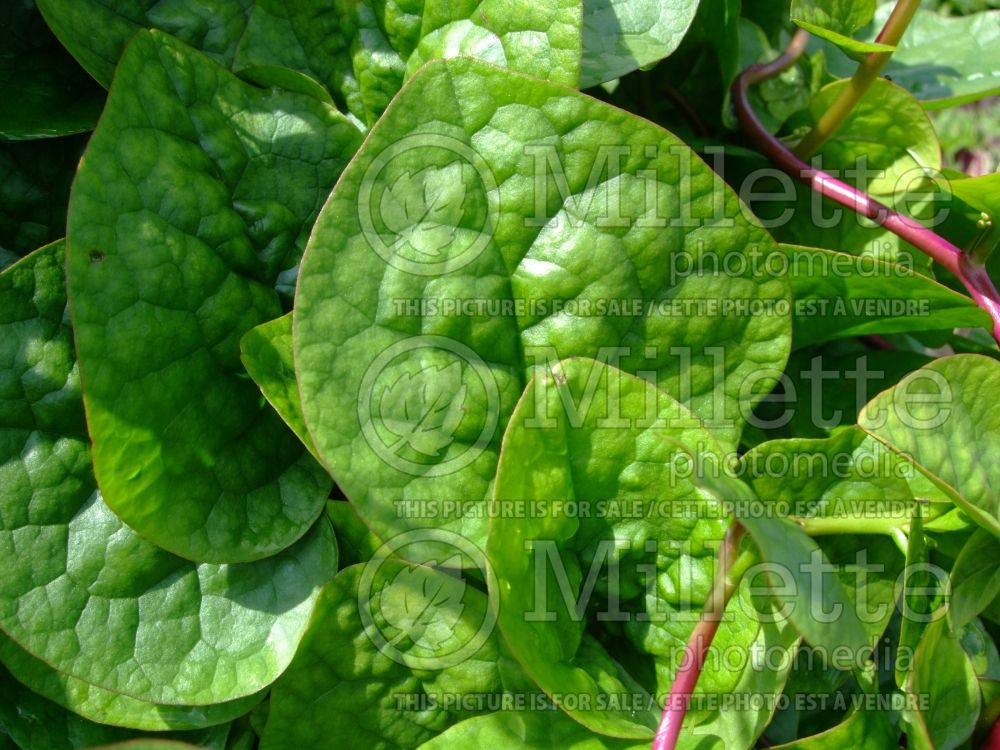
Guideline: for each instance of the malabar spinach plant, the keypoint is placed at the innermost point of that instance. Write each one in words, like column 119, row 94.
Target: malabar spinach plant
column 407, row 374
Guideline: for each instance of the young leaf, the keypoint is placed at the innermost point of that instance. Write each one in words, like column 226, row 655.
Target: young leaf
column 116, row 709
column 944, row 418
column 975, row 579
column 945, row 60
column 839, row 295
column 943, row 674
column 836, row 21
column 616, row 528
column 83, row 592
column 165, row 282
column 534, row 251
column 620, row 36
column 887, row 133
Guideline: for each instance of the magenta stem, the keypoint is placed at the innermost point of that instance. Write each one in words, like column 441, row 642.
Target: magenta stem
column 971, row 273
column 676, row 706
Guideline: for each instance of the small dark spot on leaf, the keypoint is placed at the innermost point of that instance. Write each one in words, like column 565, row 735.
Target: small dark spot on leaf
column 96, row 256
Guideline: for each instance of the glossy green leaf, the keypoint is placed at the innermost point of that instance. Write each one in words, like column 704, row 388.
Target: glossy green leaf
column 837, row 20
column 888, row 134
column 185, row 451
column 620, row 36
column 944, row 60
column 613, row 526
column 406, row 399
column 839, row 295
column 96, row 31
column 975, row 579
column 402, row 641
column 361, row 51
column 44, row 91
column 83, row 592
column 944, row 674
column 945, row 418
column 831, row 478
column 107, row 707
column 526, row 730
column 33, row 723
column 266, row 352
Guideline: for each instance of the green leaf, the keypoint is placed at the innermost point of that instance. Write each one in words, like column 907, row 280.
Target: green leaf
column 266, row 352
column 975, row 580
column 862, row 730
column 620, row 36
column 814, row 401
column 355, row 541
column 887, row 133
column 526, row 730
column 837, row 20
column 34, row 189
column 359, row 50
column 83, row 592
column 943, row 60
column 842, row 477
column 96, row 31
column 107, row 707
column 818, row 604
column 45, row 92
column 943, row 673
column 944, row 417
column 34, row 722
column 839, row 295
column 383, row 661
column 148, row 745
column 185, row 451
column 601, row 519
column 371, row 312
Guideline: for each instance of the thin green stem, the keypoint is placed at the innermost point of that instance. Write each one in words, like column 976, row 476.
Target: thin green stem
column 828, row 526
column 728, row 572
column 869, row 69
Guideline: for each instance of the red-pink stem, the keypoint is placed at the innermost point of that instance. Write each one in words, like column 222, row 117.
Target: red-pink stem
column 676, row 706
column 970, row 272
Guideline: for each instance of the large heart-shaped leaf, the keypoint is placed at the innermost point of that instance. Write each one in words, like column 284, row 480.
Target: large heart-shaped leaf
column 577, row 228
column 598, row 510
column 165, row 281
column 84, row 593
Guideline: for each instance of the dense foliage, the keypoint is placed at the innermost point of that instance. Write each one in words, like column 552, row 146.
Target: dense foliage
column 441, row 374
